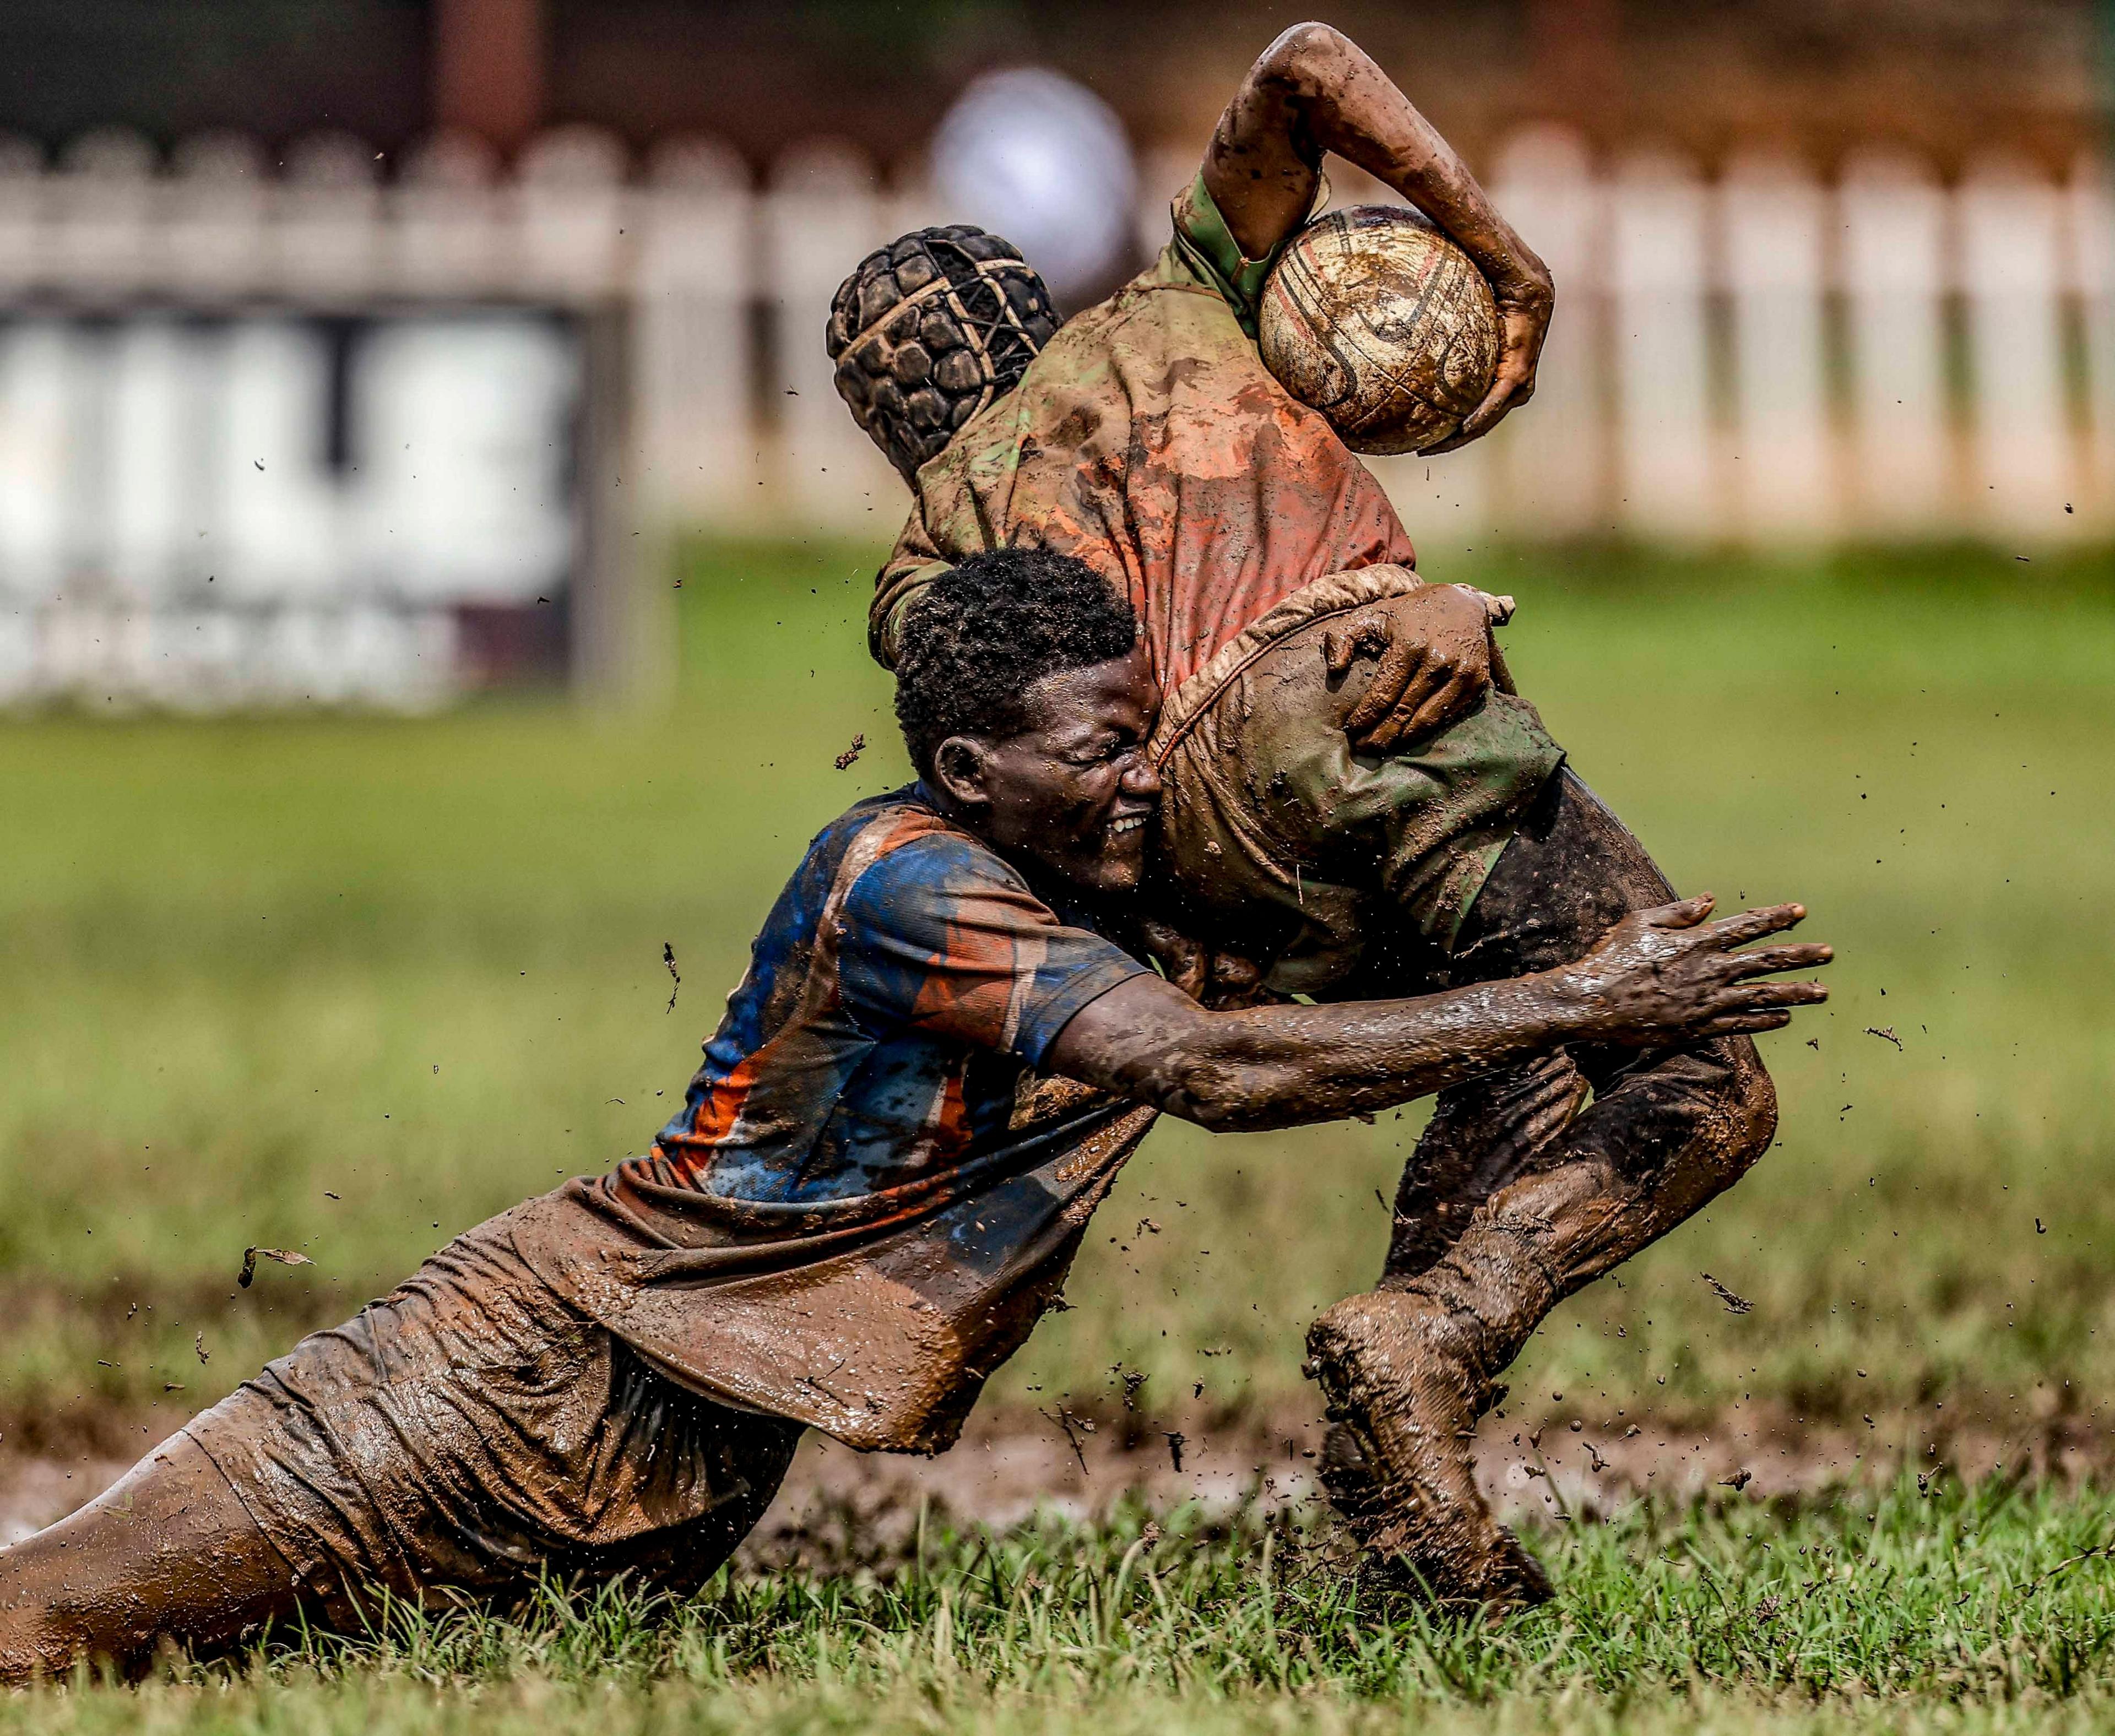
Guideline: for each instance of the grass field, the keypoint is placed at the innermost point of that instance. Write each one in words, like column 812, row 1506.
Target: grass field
column 1988, row 1610
column 350, row 984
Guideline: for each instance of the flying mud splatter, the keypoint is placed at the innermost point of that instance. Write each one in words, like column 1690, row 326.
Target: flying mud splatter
column 1734, row 1304
column 283, row 1255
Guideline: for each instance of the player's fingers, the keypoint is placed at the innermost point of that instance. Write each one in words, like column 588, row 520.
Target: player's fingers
column 1384, row 737
column 1434, row 701
column 1752, row 925
column 1336, row 654
column 1342, row 644
column 1513, row 384
column 1766, row 959
column 1497, row 610
column 1370, row 630
column 1185, row 961
column 1748, row 996
column 1445, row 704
column 1406, row 675
column 1683, row 913
column 1479, row 422
column 1744, row 1024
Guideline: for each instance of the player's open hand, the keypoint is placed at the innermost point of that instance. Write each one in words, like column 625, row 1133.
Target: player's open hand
column 1667, row 974
column 1434, row 646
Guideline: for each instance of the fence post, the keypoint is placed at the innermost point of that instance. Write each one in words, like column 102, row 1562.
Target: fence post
column 449, row 229
column 1894, row 274
column 824, row 215
column 284, row 530
column 573, row 207
column 34, row 425
column 623, row 616
column 2093, row 281
column 102, row 216
column 1668, row 479
column 1771, row 214
column 24, row 248
column 577, row 219
column 328, row 225
column 1554, row 452
column 701, row 454
column 213, row 246
column 2022, row 475
column 38, row 433
column 156, row 469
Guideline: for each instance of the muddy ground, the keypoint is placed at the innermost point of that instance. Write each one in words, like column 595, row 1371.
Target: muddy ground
column 839, row 1505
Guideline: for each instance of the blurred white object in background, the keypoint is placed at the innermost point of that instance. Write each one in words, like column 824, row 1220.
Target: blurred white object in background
column 463, row 495
column 1663, row 374
column 283, row 533
column 1773, row 218
column 1556, row 456
column 2012, row 259
column 1030, row 155
column 824, row 213
column 39, row 425
column 1894, row 218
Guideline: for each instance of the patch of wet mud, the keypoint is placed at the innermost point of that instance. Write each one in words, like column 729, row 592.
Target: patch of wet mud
column 840, row 1509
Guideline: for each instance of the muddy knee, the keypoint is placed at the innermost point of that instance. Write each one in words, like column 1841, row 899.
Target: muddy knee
column 1387, row 1347
column 1358, row 1336
column 1333, row 1343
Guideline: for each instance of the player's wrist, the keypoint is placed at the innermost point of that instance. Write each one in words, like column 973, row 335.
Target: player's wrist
column 1569, row 1001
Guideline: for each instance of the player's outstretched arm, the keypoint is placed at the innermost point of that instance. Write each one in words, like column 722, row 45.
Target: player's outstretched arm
column 1659, row 977
column 1314, row 90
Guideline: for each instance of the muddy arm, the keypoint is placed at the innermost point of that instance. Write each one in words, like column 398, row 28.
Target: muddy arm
column 1314, row 90
column 1660, row 976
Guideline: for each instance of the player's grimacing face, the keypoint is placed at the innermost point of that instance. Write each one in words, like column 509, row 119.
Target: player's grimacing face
column 1074, row 792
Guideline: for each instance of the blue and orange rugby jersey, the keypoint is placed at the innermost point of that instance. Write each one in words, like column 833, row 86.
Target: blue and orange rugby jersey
column 905, row 981
column 869, row 1194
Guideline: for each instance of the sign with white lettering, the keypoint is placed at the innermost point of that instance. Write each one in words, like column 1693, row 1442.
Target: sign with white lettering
column 270, row 508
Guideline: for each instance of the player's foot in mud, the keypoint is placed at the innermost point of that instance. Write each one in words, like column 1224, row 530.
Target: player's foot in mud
column 1403, row 1401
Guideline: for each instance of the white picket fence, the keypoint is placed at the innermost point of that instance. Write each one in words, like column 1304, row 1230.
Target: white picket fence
column 1759, row 358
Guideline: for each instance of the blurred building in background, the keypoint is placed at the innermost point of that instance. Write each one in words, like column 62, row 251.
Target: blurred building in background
column 369, row 349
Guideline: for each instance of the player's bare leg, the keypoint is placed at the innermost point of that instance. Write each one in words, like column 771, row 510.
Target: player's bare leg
column 167, row 1556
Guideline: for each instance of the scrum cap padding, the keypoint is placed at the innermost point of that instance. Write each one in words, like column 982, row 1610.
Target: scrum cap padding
column 928, row 330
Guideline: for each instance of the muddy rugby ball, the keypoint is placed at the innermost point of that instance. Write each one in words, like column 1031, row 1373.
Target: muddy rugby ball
column 1377, row 320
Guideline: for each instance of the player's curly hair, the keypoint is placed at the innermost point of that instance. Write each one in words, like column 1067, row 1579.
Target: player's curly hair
column 928, row 330
column 980, row 635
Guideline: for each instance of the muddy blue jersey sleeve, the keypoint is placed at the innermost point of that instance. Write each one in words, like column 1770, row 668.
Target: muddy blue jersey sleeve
column 941, row 937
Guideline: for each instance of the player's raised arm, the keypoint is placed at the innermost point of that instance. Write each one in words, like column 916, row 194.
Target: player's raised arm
column 1660, row 977
column 1314, row 90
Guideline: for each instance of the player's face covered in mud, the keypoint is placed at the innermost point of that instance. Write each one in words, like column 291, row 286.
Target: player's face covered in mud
column 1071, row 794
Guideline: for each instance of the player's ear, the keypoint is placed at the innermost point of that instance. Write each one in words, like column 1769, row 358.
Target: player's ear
column 961, row 768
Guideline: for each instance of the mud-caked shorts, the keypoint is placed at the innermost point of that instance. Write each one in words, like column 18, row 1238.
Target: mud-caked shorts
column 1283, row 842
column 473, row 1431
